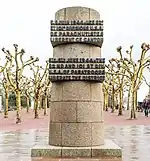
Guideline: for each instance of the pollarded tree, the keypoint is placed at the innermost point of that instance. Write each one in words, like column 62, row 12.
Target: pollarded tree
column 119, row 80
column 106, row 92
column 127, row 88
column 16, row 59
column 38, row 80
column 114, row 87
column 29, row 94
column 135, row 72
column 2, row 68
column 5, row 83
column 7, row 88
column 27, row 90
column 46, row 87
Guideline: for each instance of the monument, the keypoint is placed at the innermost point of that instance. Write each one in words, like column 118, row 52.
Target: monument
column 77, row 71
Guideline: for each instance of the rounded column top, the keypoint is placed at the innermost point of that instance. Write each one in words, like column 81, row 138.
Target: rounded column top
column 77, row 13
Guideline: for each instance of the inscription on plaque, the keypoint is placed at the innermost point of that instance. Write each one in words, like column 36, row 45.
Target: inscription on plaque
column 77, row 69
column 76, row 31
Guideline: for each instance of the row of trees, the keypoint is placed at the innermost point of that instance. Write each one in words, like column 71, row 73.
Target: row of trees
column 15, row 81
column 123, row 74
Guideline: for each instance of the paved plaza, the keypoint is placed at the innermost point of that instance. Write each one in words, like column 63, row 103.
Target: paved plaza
column 134, row 140
column 16, row 141
column 28, row 121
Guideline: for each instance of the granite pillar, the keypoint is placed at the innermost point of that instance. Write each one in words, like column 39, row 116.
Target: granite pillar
column 76, row 126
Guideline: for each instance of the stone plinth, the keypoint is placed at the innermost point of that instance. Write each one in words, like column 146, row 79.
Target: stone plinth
column 67, row 159
column 76, row 126
column 107, row 151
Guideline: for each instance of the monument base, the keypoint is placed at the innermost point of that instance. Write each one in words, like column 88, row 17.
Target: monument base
column 109, row 151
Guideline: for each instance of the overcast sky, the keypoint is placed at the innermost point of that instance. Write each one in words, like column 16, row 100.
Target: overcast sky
column 27, row 23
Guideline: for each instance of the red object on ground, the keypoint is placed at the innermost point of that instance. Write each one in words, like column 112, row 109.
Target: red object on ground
column 28, row 121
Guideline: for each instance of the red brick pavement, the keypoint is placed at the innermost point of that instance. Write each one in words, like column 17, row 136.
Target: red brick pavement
column 28, row 121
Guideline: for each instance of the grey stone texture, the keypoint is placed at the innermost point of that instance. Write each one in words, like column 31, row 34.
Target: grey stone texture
column 72, row 51
column 76, row 107
column 46, row 151
column 74, row 159
column 77, row 13
column 97, row 134
column 76, row 114
column 55, row 134
column 107, row 151
column 63, row 112
column 89, row 112
column 76, row 152
column 76, row 91
column 76, row 134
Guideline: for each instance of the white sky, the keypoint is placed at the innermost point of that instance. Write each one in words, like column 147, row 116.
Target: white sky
column 27, row 23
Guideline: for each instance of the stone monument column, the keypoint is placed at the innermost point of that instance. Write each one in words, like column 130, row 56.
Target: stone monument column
column 76, row 127
column 76, row 115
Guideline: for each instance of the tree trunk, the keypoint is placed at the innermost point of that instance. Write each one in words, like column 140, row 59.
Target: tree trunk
column 106, row 101
column 128, row 103
column 136, row 102
column 113, row 101
column 34, row 103
column 133, row 108
column 120, row 102
column 104, row 106
column 6, row 103
column 40, row 102
column 18, row 106
column 116, row 101
column 36, row 115
column 45, row 106
column 28, row 104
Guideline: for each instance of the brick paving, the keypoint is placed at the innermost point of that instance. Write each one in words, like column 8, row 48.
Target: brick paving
column 28, row 121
